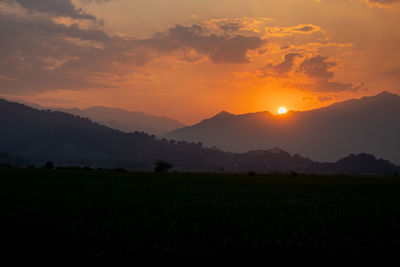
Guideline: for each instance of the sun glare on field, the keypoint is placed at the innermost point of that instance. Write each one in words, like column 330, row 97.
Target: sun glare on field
column 282, row 110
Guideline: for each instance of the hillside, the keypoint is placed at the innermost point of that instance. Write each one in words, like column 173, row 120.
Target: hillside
column 366, row 125
column 120, row 119
column 127, row 121
column 31, row 136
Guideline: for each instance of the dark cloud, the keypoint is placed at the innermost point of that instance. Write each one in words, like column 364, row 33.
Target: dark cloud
column 281, row 68
column 56, row 7
column 220, row 48
column 37, row 54
column 234, row 50
column 286, row 65
column 325, row 85
column 306, row 28
column 317, row 67
column 230, row 27
column 328, row 86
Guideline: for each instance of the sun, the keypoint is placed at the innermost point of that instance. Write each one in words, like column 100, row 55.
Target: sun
column 282, row 110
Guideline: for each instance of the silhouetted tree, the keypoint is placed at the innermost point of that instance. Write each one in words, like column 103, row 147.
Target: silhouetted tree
column 162, row 166
column 49, row 165
column 251, row 173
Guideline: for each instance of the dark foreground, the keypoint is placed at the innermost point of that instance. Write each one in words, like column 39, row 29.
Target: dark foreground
column 123, row 217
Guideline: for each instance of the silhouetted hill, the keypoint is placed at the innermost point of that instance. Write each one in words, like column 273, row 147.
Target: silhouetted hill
column 65, row 139
column 68, row 140
column 369, row 125
column 128, row 121
column 363, row 163
column 120, row 119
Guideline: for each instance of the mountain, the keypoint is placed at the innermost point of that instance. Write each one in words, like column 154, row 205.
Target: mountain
column 67, row 140
column 128, row 121
column 32, row 136
column 369, row 125
column 120, row 119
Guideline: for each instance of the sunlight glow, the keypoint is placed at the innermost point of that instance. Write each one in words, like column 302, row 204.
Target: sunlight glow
column 282, row 110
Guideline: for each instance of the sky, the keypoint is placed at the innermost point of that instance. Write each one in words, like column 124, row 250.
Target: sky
column 190, row 59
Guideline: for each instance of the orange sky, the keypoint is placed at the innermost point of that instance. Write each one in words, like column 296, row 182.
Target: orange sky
column 190, row 59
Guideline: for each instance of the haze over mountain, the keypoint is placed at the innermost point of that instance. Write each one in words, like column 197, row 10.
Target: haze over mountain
column 120, row 119
column 127, row 121
column 31, row 136
column 369, row 124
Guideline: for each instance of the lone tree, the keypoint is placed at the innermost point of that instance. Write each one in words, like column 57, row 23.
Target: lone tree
column 162, row 166
column 49, row 165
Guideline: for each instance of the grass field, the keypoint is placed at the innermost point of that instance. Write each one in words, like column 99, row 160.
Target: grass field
column 125, row 217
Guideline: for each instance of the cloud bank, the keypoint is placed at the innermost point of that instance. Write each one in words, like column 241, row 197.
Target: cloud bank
column 38, row 53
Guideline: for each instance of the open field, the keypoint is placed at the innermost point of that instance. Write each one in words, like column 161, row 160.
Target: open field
column 123, row 217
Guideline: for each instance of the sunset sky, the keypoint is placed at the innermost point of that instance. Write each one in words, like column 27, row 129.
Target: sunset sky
column 190, row 59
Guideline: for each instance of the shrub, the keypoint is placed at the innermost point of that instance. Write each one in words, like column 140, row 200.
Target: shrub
column 49, row 165
column 162, row 166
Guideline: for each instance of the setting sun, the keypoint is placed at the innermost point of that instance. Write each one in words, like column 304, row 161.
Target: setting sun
column 282, row 110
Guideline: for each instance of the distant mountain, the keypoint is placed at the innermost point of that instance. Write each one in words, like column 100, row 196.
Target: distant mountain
column 31, row 136
column 120, row 119
column 128, row 121
column 65, row 139
column 369, row 124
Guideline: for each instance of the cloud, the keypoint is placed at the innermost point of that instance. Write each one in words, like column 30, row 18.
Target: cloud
column 233, row 26
column 286, row 31
column 328, row 86
column 317, row 67
column 54, row 7
column 234, row 50
column 286, row 65
column 383, row 3
column 281, row 68
column 311, row 74
column 37, row 54
column 220, row 48
column 325, row 85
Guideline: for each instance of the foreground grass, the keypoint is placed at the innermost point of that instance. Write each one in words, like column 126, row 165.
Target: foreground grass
column 124, row 217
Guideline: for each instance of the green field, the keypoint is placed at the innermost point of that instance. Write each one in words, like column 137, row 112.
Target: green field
column 126, row 217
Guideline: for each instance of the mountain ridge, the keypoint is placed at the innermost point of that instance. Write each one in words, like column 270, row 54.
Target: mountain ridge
column 120, row 119
column 37, row 136
column 325, row 134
